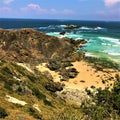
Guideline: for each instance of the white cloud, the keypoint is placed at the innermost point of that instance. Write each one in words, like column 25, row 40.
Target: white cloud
column 67, row 11
column 109, row 14
column 110, row 3
column 7, row 1
column 37, row 9
column 5, row 9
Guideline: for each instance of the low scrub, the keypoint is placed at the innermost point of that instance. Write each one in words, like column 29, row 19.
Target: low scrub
column 3, row 113
column 105, row 103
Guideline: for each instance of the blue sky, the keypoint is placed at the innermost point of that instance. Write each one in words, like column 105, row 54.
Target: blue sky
column 108, row 10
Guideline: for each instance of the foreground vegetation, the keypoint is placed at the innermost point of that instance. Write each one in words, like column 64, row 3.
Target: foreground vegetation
column 102, row 63
column 105, row 104
column 29, row 87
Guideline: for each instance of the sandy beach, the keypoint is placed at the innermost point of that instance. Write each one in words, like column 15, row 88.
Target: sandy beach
column 87, row 77
column 42, row 68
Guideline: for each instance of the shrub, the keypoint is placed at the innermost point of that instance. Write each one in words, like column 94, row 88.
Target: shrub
column 3, row 113
column 106, row 103
column 7, row 70
column 38, row 94
column 34, row 113
column 47, row 102
column 32, row 78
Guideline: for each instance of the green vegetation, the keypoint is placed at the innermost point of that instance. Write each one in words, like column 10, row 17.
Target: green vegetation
column 105, row 104
column 38, row 94
column 34, row 113
column 100, row 63
column 3, row 113
column 68, row 114
column 19, row 83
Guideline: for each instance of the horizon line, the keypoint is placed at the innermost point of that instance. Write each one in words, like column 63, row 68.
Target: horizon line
column 63, row 19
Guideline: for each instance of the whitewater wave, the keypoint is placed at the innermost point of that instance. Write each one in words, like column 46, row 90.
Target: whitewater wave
column 114, row 40
column 99, row 28
column 85, row 28
column 53, row 34
column 90, row 55
column 107, row 44
column 113, row 53
column 90, row 28
column 42, row 28
column 63, row 26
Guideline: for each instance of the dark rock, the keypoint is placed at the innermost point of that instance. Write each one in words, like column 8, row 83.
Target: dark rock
column 71, row 27
column 72, row 72
column 62, row 33
column 22, row 88
column 76, row 57
column 68, row 73
column 54, row 86
column 66, row 64
column 54, row 65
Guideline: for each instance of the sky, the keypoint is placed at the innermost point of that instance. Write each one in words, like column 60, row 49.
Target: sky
column 108, row 10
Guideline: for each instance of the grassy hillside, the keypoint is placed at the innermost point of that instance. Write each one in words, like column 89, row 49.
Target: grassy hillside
column 29, row 87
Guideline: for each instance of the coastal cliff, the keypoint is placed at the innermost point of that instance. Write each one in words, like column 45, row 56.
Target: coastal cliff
column 44, row 77
column 28, row 45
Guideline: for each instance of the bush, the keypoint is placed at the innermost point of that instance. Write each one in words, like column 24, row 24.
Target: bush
column 3, row 113
column 32, row 78
column 34, row 113
column 47, row 102
column 105, row 103
column 7, row 70
column 38, row 94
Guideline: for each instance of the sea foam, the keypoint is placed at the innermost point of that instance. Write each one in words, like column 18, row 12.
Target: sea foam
column 117, row 41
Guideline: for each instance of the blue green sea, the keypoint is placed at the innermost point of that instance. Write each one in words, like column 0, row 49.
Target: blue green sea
column 103, row 37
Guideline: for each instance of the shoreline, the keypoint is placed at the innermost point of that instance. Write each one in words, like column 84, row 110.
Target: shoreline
column 88, row 76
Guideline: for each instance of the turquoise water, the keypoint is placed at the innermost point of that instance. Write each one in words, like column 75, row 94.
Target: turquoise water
column 97, row 45
column 103, row 38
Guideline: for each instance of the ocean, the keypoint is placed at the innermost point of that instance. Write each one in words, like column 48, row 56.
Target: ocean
column 103, row 36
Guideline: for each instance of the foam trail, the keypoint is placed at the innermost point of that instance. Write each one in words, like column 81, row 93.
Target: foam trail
column 114, row 40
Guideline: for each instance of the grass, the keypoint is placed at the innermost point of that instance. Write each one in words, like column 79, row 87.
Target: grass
column 50, row 105
column 101, row 63
column 34, row 113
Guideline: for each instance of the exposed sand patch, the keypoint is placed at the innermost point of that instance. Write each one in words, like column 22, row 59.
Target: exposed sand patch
column 27, row 67
column 88, row 76
column 15, row 101
column 42, row 68
column 37, row 107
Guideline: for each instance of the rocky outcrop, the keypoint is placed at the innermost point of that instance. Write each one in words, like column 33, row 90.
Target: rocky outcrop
column 54, row 86
column 31, row 46
column 68, row 73
column 73, row 95
column 71, row 27
column 62, row 33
